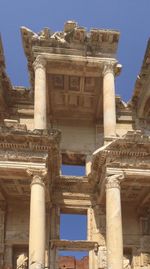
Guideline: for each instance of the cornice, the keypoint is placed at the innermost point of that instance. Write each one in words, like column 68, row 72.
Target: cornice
column 16, row 136
column 131, row 151
column 72, row 36
column 72, row 41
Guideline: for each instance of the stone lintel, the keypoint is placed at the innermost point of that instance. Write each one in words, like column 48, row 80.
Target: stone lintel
column 73, row 245
column 139, row 174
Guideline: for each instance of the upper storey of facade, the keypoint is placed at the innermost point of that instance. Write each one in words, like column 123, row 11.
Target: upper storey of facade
column 74, row 62
column 72, row 75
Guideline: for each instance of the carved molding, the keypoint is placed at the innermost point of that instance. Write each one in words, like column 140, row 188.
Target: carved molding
column 40, row 62
column 108, row 68
column 114, row 181
column 17, row 137
column 38, row 176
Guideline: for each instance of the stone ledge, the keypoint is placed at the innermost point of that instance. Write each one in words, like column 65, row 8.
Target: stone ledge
column 73, row 245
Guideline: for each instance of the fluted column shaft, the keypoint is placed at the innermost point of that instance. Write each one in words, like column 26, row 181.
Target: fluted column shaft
column 37, row 223
column 114, row 236
column 109, row 106
column 40, row 121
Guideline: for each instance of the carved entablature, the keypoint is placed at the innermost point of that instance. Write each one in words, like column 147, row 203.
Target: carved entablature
column 130, row 151
column 18, row 143
column 73, row 40
column 133, row 151
column 72, row 185
column 73, row 36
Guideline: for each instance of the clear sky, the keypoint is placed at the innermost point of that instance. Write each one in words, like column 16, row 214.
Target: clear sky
column 130, row 17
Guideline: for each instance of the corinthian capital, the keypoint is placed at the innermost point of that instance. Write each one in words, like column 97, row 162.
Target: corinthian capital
column 114, row 181
column 39, row 62
column 108, row 68
column 38, row 175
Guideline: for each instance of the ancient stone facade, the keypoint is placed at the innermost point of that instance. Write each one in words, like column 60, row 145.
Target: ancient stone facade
column 72, row 263
column 71, row 115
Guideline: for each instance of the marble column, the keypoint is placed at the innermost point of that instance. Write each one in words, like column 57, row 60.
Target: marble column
column 109, row 106
column 114, row 238
column 37, row 220
column 40, row 121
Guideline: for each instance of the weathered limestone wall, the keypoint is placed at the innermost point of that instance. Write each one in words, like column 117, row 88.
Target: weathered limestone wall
column 17, row 228
column 131, row 226
column 79, row 137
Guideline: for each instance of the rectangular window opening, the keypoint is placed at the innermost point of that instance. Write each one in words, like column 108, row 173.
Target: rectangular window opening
column 73, row 170
column 73, row 226
column 73, row 259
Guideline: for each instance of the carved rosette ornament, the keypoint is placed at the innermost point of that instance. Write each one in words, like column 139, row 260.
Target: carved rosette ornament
column 38, row 176
column 114, row 181
column 40, row 62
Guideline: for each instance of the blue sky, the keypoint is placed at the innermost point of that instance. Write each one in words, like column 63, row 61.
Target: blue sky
column 130, row 17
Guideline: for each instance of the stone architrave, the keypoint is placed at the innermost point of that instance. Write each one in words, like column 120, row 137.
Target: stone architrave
column 40, row 121
column 114, row 223
column 109, row 106
column 37, row 219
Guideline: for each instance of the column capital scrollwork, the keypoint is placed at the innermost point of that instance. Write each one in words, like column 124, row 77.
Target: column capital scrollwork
column 114, row 181
column 108, row 67
column 40, row 62
column 38, row 175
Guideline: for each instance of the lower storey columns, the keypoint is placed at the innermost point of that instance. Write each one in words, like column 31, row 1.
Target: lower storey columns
column 114, row 238
column 37, row 221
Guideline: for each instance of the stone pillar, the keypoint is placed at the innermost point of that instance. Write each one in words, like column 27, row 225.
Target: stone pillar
column 114, row 236
column 109, row 106
column 88, row 164
column 40, row 121
column 37, row 220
